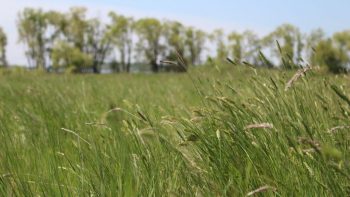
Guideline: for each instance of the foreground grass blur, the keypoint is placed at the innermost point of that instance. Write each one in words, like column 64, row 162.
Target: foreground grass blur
column 233, row 131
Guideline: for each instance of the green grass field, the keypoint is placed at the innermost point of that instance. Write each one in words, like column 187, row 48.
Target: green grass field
column 231, row 131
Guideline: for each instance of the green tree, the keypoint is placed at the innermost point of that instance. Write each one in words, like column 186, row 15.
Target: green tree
column 98, row 44
column 65, row 55
column 290, row 43
column 78, row 26
column 175, row 37
column 326, row 54
column 251, row 47
column 87, row 35
column 3, row 43
column 312, row 40
column 121, row 33
column 150, row 31
column 235, row 44
column 57, row 25
column 342, row 40
column 194, row 44
column 32, row 26
column 218, row 38
column 244, row 47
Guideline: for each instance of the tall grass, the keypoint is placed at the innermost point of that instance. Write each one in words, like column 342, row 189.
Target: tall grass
column 236, row 132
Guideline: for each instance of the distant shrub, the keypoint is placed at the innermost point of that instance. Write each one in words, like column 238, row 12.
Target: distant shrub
column 328, row 56
column 70, row 57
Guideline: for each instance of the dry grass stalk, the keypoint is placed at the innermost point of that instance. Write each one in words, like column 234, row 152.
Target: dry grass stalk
column 334, row 129
column 181, row 59
column 301, row 72
column 76, row 134
column 310, row 150
column 174, row 63
column 259, row 126
column 261, row 189
column 303, row 140
column 314, row 144
column 6, row 175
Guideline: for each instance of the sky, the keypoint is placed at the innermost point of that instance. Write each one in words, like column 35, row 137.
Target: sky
column 261, row 16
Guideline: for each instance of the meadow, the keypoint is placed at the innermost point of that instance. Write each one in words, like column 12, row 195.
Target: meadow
column 224, row 131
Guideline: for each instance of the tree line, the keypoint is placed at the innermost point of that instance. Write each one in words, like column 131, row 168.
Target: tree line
column 73, row 42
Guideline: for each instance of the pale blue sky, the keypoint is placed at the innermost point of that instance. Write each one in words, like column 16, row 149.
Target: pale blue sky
column 265, row 14
column 261, row 16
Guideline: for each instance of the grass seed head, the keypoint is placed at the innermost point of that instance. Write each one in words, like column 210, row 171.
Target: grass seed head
column 259, row 126
column 300, row 73
column 261, row 189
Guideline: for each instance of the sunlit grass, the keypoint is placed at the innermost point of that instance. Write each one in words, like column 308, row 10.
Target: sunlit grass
column 225, row 131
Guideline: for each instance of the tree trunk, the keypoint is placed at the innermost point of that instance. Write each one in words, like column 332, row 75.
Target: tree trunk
column 41, row 63
column 95, row 68
column 3, row 59
column 123, row 63
column 129, row 59
column 154, row 66
column 128, row 67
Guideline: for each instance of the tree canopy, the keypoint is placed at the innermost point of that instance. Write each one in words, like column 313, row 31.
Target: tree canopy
column 50, row 35
column 3, row 43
